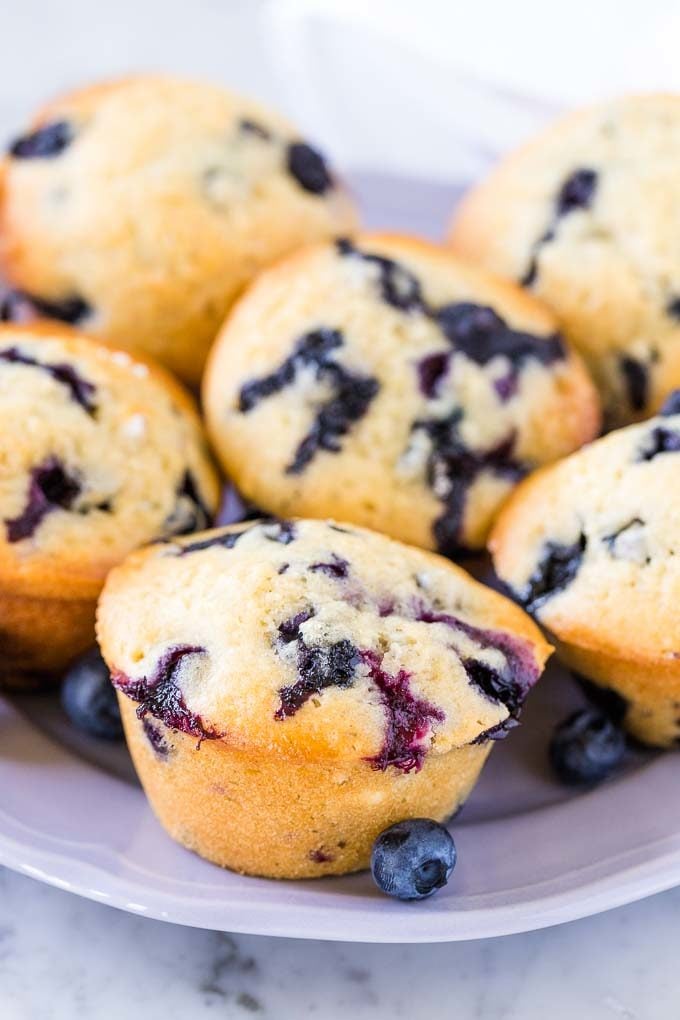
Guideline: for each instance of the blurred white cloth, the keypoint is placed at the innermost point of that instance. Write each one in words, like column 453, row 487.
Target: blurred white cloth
column 435, row 88
column 430, row 88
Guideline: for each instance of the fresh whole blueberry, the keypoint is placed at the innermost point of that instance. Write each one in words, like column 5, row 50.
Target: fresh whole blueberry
column 88, row 697
column 586, row 748
column 413, row 858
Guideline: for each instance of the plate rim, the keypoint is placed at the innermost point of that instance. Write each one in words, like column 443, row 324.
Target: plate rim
column 659, row 872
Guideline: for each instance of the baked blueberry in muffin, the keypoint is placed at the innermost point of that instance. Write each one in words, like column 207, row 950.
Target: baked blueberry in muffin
column 291, row 688
column 590, row 547
column 100, row 453
column 382, row 381
column 138, row 209
column 584, row 215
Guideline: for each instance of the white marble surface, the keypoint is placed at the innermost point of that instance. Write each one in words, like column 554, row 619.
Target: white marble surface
column 63, row 958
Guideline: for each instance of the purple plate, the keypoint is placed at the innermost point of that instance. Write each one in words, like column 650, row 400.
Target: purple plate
column 531, row 853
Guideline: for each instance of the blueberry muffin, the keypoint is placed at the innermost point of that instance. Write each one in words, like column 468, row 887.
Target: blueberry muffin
column 585, row 217
column 591, row 547
column 383, row 382
column 99, row 453
column 139, row 208
column 289, row 688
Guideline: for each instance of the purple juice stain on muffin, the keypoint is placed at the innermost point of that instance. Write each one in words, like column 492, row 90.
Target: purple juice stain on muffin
column 506, row 386
column 636, row 379
column 336, row 567
column 160, row 696
column 558, row 565
column 671, row 405
column 154, row 734
column 660, row 440
column 320, row 856
column 318, row 667
column 576, row 192
column 507, row 685
column 452, row 468
column 45, row 142
column 52, row 486
column 20, row 306
column 398, row 285
column 80, row 390
column 309, row 168
column 408, row 718
column 351, row 394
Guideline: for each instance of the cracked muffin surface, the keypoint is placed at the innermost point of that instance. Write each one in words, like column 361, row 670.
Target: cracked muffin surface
column 319, row 650
column 99, row 453
column 383, row 382
column 138, row 209
column 590, row 546
column 584, row 215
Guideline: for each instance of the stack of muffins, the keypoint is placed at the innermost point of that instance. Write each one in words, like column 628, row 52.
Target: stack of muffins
column 291, row 685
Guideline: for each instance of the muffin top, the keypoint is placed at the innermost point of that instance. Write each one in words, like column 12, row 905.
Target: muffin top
column 316, row 640
column 591, row 546
column 386, row 383
column 138, row 209
column 585, row 215
column 99, row 453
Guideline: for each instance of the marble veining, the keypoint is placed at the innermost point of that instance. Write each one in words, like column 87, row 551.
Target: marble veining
column 65, row 958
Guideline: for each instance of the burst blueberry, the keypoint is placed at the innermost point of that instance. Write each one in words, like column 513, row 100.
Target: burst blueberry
column 557, row 568
column 80, row 390
column 51, row 486
column 577, row 192
column 413, row 858
column 349, row 400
